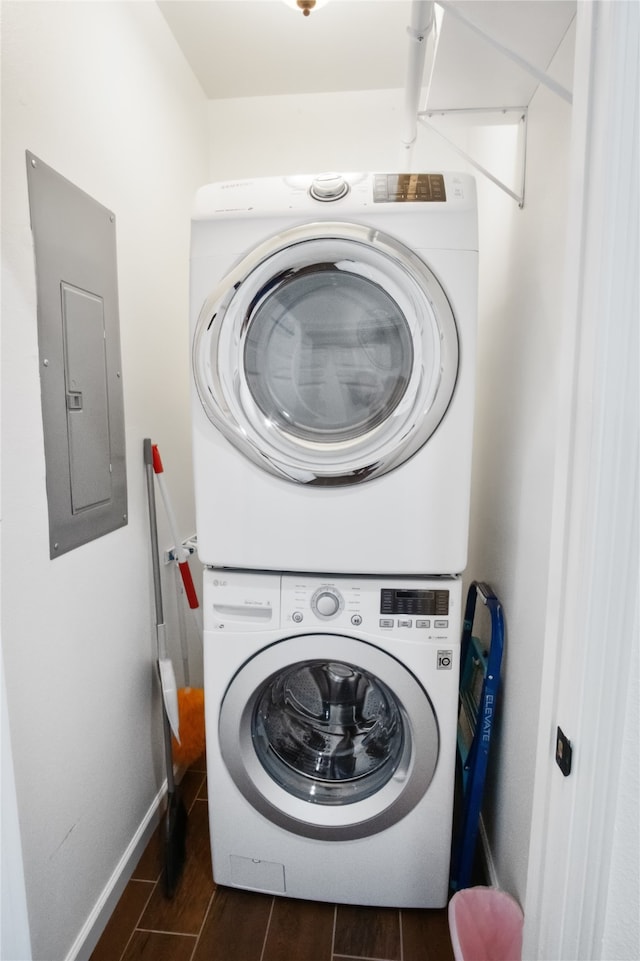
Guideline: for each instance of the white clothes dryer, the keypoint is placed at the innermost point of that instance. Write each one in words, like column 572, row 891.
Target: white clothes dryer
column 331, row 712
column 333, row 352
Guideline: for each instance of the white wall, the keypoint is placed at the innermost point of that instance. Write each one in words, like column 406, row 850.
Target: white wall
column 100, row 92
column 270, row 136
column 521, row 295
column 15, row 940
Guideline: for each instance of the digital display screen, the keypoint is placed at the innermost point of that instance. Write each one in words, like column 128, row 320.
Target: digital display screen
column 408, row 188
column 414, row 602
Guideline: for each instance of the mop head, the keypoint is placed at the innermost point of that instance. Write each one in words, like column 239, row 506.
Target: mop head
column 192, row 738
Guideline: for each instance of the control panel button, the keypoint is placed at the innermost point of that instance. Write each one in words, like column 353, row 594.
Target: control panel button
column 356, row 620
column 405, row 622
column 441, row 623
column 326, row 602
column 423, row 623
column 297, row 617
column 327, row 605
column 386, row 622
column 329, row 187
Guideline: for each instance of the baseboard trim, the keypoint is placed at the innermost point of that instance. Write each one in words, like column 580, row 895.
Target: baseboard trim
column 104, row 907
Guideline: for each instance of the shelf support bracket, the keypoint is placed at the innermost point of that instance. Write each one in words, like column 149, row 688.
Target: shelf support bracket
column 425, row 118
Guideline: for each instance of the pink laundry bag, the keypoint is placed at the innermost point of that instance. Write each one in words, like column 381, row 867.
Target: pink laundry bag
column 485, row 925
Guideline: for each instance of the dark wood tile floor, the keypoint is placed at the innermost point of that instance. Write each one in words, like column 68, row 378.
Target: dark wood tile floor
column 204, row 922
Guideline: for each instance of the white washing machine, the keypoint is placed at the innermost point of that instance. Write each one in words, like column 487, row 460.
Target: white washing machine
column 333, row 351
column 331, row 711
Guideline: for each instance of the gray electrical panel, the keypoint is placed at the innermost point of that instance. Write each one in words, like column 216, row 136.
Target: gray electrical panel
column 79, row 348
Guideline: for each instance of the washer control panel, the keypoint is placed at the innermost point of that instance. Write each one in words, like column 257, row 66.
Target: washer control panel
column 411, row 607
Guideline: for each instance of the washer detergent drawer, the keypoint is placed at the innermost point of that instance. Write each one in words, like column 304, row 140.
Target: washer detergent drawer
column 237, row 604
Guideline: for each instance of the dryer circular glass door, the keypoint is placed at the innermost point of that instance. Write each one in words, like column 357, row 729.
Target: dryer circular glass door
column 328, row 736
column 328, row 355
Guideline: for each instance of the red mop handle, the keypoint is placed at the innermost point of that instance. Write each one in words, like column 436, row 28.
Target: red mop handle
column 189, row 587
column 183, row 565
column 157, row 460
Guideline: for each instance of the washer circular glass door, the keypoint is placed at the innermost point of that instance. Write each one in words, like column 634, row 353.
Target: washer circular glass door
column 328, row 355
column 328, row 736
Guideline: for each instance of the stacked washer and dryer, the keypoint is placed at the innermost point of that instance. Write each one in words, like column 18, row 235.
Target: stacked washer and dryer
column 333, row 351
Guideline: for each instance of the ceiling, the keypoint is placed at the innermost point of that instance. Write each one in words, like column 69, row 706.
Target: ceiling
column 250, row 48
